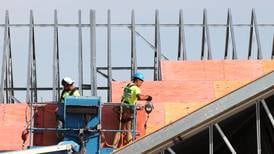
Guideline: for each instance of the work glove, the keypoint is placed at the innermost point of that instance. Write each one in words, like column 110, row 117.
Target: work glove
column 149, row 98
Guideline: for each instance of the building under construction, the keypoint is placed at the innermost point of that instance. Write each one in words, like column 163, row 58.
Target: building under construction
column 216, row 102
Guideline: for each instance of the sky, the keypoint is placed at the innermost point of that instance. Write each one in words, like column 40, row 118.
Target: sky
column 121, row 9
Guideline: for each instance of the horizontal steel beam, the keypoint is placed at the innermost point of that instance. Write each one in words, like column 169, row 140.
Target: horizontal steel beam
column 76, row 25
column 45, row 149
column 126, row 68
column 85, row 87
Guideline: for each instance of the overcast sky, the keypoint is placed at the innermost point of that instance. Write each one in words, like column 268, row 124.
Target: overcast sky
column 141, row 6
column 130, row 4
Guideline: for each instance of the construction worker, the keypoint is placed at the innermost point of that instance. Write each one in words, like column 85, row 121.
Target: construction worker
column 69, row 89
column 131, row 94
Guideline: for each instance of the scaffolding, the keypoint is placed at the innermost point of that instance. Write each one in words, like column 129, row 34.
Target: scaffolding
column 7, row 87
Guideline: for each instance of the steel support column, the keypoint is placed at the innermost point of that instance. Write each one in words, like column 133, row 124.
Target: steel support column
column 205, row 38
column 181, row 40
column 258, row 128
column 109, row 77
column 157, row 55
column 250, row 45
column 133, row 59
column 56, row 72
column 80, row 52
column 259, row 49
column 210, row 128
column 31, row 95
column 254, row 27
column 5, row 59
column 93, row 77
column 272, row 55
column 9, row 71
column 230, row 32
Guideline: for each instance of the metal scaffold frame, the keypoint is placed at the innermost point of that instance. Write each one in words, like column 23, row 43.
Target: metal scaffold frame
column 7, row 87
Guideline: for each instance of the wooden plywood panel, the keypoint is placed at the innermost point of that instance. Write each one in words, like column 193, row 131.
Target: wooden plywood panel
column 243, row 69
column 117, row 90
column 190, row 85
column 170, row 91
column 193, row 70
column 156, row 118
column 174, row 111
column 12, row 119
column 222, row 88
column 181, row 70
column 214, row 70
column 268, row 66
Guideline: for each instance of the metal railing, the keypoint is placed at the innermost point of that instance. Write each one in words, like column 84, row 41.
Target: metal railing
column 134, row 130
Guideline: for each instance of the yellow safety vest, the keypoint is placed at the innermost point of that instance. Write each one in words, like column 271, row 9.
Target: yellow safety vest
column 64, row 94
column 130, row 94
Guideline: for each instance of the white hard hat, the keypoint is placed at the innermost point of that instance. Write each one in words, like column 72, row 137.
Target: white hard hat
column 67, row 80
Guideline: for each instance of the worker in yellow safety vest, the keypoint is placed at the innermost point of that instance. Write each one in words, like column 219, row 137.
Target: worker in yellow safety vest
column 131, row 94
column 69, row 89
